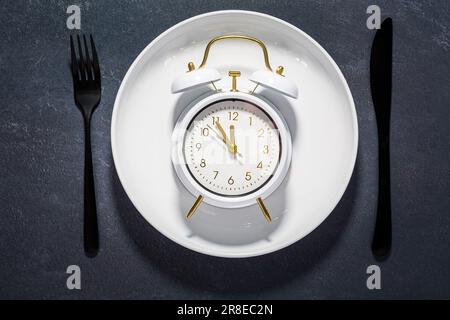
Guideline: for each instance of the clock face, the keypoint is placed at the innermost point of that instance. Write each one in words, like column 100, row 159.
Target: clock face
column 232, row 147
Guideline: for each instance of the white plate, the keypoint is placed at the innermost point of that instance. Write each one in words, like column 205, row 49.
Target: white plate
column 322, row 121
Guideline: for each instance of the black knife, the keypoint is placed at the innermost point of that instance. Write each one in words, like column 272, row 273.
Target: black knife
column 381, row 87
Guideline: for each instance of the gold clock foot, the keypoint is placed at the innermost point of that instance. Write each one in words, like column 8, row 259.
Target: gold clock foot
column 194, row 207
column 264, row 210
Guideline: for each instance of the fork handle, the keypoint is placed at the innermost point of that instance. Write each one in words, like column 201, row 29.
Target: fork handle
column 91, row 241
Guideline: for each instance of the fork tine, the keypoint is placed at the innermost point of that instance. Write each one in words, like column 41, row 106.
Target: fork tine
column 74, row 63
column 88, row 59
column 95, row 63
column 82, row 61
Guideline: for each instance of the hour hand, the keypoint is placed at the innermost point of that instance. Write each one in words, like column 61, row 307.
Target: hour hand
column 224, row 138
column 233, row 145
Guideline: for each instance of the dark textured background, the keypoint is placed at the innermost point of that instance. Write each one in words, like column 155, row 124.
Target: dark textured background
column 41, row 161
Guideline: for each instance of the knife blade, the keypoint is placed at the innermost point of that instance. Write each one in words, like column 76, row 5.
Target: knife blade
column 381, row 89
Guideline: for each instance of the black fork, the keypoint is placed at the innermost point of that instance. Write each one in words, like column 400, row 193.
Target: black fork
column 87, row 92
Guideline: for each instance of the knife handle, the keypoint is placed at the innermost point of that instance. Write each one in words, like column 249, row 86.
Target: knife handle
column 381, row 244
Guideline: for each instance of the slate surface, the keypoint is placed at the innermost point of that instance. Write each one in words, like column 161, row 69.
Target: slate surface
column 41, row 161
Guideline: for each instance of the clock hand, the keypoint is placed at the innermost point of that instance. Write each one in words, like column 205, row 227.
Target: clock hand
column 233, row 140
column 219, row 135
column 224, row 137
column 216, row 132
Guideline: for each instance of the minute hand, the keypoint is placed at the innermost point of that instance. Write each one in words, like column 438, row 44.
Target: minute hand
column 224, row 137
column 223, row 140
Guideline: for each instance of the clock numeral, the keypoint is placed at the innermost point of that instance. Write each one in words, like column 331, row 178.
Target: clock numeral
column 248, row 176
column 233, row 116
column 259, row 166
column 250, row 119
column 231, row 181
column 203, row 163
column 266, row 149
column 260, row 133
column 205, row 132
column 215, row 119
column 198, row 146
column 216, row 173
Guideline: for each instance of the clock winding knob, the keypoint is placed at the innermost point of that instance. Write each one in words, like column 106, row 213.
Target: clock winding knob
column 234, row 75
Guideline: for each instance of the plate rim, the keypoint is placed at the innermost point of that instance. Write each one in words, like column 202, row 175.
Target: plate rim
column 348, row 175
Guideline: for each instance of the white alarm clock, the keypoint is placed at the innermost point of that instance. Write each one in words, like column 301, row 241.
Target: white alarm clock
column 232, row 149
